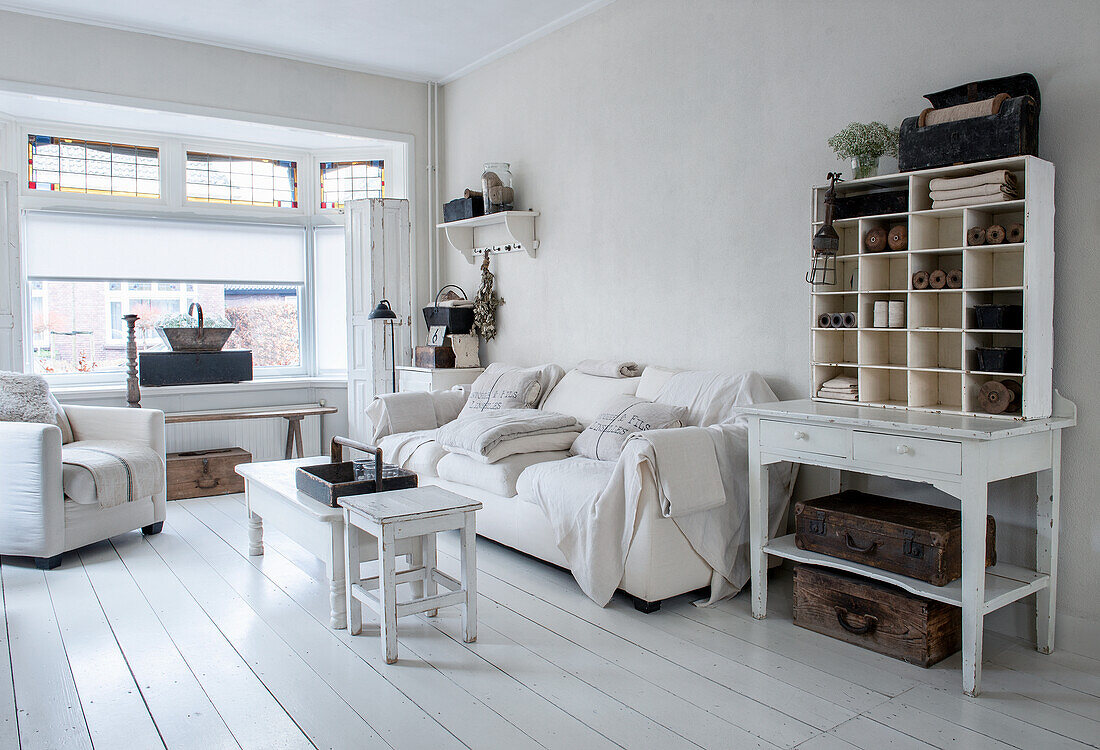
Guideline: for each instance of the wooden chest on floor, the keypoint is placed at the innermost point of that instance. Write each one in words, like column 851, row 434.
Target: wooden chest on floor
column 205, row 473
column 876, row 616
column 912, row 539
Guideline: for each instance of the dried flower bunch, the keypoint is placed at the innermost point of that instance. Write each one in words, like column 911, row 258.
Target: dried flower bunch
column 179, row 320
column 486, row 303
column 865, row 140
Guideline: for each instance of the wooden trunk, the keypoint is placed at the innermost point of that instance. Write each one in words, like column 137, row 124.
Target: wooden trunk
column 875, row 616
column 912, row 539
column 205, row 473
column 434, row 356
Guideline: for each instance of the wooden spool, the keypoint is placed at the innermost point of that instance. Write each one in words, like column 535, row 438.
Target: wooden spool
column 875, row 239
column 1014, row 233
column 937, row 279
column 920, row 280
column 955, row 278
column 995, row 234
column 994, row 397
column 999, row 396
column 898, row 238
column 975, row 236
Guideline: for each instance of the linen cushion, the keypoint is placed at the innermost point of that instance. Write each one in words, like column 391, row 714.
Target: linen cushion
column 505, row 387
column 25, row 398
column 583, row 396
column 62, row 421
column 498, row 478
column 653, row 379
column 603, row 439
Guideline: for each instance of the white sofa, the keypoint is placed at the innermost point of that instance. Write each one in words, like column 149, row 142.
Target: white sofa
column 661, row 563
column 36, row 518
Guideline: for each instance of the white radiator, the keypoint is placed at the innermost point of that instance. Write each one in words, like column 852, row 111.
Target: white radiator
column 265, row 439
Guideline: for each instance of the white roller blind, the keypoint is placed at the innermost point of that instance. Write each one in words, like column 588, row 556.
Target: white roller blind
column 86, row 246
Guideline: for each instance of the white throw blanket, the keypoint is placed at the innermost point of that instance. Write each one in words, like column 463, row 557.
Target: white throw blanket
column 594, row 512
column 610, row 369
column 398, row 449
column 493, row 435
column 683, row 467
column 123, row 471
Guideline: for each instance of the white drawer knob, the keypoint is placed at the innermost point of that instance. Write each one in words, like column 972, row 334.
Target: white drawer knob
column 903, row 449
column 799, row 435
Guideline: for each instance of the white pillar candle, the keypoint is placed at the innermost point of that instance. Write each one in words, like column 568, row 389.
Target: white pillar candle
column 896, row 315
column 881, row 314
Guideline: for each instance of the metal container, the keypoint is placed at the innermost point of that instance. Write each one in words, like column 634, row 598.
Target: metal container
column 197, row 339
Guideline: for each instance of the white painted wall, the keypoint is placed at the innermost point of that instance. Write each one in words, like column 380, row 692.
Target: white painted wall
column 670, row 147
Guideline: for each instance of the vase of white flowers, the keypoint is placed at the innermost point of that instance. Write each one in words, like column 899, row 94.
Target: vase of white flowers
column 864, row 144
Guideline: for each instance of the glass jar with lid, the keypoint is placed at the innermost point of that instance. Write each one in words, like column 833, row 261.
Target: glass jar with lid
column 496, row 187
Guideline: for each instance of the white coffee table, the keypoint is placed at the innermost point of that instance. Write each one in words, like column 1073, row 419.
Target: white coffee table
column 273, row 499
column 411, row 516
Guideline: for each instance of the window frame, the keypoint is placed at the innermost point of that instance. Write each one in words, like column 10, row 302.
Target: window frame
column 173, row 204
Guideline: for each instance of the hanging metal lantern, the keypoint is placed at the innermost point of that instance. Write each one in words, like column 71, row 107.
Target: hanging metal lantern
column 826, row 242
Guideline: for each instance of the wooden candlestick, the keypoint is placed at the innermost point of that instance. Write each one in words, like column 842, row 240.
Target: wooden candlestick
column 133, row 392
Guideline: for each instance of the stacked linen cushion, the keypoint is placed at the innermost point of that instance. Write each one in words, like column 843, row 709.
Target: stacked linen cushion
column 603, row 440
column 499, row 477
column 988, row 187
column 844, row 387
column 491, row 436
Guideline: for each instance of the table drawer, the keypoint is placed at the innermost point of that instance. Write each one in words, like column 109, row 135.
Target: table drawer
column 918, row 454
column 788, row 436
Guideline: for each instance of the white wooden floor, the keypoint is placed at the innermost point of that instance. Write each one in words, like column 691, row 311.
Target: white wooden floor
column 183, row 641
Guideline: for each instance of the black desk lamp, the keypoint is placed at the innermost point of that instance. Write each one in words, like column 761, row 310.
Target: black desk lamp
column 383, row 312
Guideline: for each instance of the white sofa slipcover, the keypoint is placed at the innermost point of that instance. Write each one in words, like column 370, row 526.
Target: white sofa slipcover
column 36, row 519
column 661, row 562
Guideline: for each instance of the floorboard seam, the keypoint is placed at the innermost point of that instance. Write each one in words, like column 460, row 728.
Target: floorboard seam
column 65, row 651
column 7, row 642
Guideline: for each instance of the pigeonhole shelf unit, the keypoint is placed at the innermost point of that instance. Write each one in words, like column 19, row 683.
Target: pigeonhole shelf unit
column 932, row 363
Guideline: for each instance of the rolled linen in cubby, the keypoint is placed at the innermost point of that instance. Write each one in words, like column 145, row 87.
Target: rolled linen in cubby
column 896, row 314
column 849, row 320
column 836, row 320
column 824, row 320
column 882, row 314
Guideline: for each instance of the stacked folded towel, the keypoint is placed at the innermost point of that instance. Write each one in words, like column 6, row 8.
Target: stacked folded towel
column 843, row 387
column 990, row 187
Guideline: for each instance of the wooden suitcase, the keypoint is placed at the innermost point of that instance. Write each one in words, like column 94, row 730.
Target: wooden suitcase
column 875, row 616
column 205, row 473
column 912, row 539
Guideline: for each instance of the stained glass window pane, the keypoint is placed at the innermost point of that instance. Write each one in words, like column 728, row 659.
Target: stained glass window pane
column 78, row 166
column 351, row 180
column 241, row 180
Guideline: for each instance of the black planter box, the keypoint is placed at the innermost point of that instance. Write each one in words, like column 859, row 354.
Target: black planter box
column 1000, row 358
column 1013, row 131
column 463, row 208
column 871, row 204
column 194, row 368
column 457, row 319
column 999, row 317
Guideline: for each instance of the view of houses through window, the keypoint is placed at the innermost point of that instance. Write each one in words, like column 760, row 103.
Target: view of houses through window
column 78, row 328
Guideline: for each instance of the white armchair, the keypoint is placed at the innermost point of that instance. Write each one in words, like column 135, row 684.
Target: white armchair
column 36, row 519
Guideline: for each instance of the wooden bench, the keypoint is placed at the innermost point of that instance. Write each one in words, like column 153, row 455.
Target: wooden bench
column 293, row 414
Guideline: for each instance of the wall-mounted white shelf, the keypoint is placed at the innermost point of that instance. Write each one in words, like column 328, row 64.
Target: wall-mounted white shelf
column 502, row 232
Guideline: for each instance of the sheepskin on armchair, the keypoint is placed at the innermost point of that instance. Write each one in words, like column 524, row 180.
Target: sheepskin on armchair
column 38, row 517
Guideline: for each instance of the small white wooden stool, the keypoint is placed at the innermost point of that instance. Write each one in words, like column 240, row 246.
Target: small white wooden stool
column 415, row 514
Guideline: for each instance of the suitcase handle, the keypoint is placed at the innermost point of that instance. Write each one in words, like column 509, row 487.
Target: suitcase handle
column 336, row 454
column 206, row 482
column 851, row 544
column 870, row 622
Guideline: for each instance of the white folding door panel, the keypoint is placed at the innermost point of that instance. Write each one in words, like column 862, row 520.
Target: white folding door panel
column 378, row 267
column 11, row 301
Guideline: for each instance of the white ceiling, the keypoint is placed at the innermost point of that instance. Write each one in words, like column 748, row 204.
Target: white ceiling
column 425, row 40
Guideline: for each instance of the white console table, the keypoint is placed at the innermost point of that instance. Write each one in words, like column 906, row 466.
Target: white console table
column 960, row 455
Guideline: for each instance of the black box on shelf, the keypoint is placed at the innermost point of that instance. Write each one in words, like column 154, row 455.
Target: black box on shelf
column 194, row 368
column 1012, row 131
column 871, row 204
column 463, row 208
